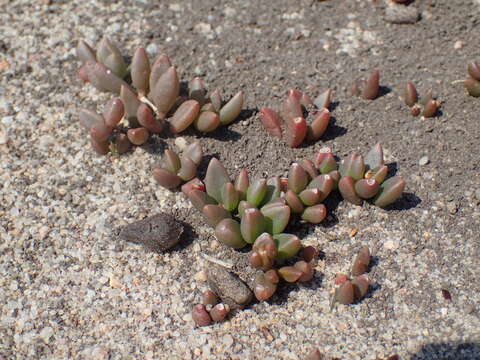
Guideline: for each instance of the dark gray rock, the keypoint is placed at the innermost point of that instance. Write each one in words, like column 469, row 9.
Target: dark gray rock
column 233, row 291
column 158, row 233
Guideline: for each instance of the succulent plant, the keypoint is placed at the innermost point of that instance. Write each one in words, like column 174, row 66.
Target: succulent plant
column 174, row 169
column 472, row 82
column 368, row 89
column 361, row 262
column 150, row 101
column 425, row 105
column 210, row 310
column 364, row 179
column 292, row 124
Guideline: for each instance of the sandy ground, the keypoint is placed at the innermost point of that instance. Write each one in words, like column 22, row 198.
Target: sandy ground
column 70, row 289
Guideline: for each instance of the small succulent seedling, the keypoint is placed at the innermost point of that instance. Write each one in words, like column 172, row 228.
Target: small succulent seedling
column 472, row 83
column 292, row 124
column 425, row 105
column 152, row 96
column 174, row 169
column 368, row 89
column 210, row 310
column 362, row 179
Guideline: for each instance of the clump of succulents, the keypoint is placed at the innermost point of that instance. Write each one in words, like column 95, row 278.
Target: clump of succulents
column 472, row 83
column 210, row 310
column 300, row 118
column 149, row 96
column 425, row 104
column 368, row 89
column 351, row 289
column 364, row 178
column 173, row 169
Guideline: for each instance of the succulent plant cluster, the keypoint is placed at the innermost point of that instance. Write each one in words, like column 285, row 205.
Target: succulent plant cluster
column 300, row 118
column 472, row 82
column 150, row 97
column 210, row 310
column 351, row 289
column 425, row 104
column 368, row 89
column 173, row 170
column 364, row 178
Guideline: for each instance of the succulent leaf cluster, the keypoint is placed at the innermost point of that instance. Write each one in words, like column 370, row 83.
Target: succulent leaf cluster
column 173, row 169
column 300, row 118
column 150, row 96
column 425, row 104
column 472, row 82
column 351, row 289
column 210, row 310
column 368, row 89
column 364, row 178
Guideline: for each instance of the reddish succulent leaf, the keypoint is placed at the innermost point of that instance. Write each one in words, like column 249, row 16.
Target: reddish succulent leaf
column 361, row 262
column 146, row 118
column 166, row 91
column 184, row 116
column 101, row 147
column 431, row 108
column 263, row 289
column 390, row 191
column 325, row 161
column 188, row 169
column 353, row 166
column 411, row 95
column 197, row 90
column 474, row 70
column 252, row 225
column 219, row 312
column 200, row 315
column 297, row 178
column 160, row 66
column 113, row 112
column 228, row 232
column 319, row 125
column 130, row 101
column 138, row 136
column 315, row 214
column 291, row 107
column 372, row 86
column 473, row 86
column 324, row 183
column 271, row 121
column 232, row 108
column 242, row 183
column 194, row 184
column 345, row 293
column 122, row 144
column 306, row 269
column 140, row 70
column 214, row 214
column 100, row 132
column 310, row 197
column 367, row 188
column 290, row 273
column 288, row 245
column 296, row 131
column 207, row 121
column 346, row 186
column 256, row 191
column 310, row 168
column 85, row 52
column 294, row 202
column 360, row 286
column 166, row 178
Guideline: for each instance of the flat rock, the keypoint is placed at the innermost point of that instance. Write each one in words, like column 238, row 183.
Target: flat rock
column 228, row 287
column 401, row 14
column 158, row 233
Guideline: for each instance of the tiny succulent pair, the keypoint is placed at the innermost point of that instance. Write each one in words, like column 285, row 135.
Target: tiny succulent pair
column 210, row 310
column 152, row 94
column 352, row 289
column 300, row 118
column 426, row 101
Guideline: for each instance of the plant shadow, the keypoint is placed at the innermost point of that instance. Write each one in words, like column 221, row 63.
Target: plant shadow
column 448, row 351
column 406, row 202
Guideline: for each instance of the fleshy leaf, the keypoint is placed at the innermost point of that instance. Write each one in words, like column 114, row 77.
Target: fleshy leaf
column 276, row 218
column 288, row 245
column 207, row 121
column 291, row 107
column 160, row 66
column 122, row 144
column 252, row 225
column 346, row 186
column 310, row 168
column 103, row 78
column 188, row 169
column 361, row 262
column 214, row 214
column 146, row 118
column 88, row 118
column 230, row 197
column 315, row 214
column 323, row 100
column 263, row 289
column 353, row 166
column 310, row 197
column 264, row 252
column 390, row 191
column 140, row 71
column 216, row 100
column 345, row 293
column 256, row 191
column 171, row 161
column 242, row 183
column 199, row 199
column 197, row 90
column 296, row 131
column 473, row 86
column 474, row 70
column 374, row 157
column 109, row 55
column 166, row 91
column 290, row 273
column 271, row 121
column 306, row 269
column 294, row 202
column 372, row 86
column 367, row 188
column 360, row 286
column 244, row 205
column 274, row 190
column 324, row 183
column 378, row 174
column 130, row 102
column 228, row 232
column 194, row 151
column 113, row 112
column 232, row 109
column 100, row 147
column 215, row 178
column 325, row 161
column 166, row 178
column 411, row 95
column 297, row 178
column 319, row 125
column 184, row 116
column 85, row 52
column 430, row 109
column 138, row 136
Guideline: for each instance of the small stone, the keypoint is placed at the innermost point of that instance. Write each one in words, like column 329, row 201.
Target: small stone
column 181, row 143
column 43, row 232
column 158, row 233
column 391, row 244
column 200, row 276
column 458, row 44
column 452, row 207
column 202, row 28
column 401, row 14
column 46, row 334
column 233, row 291
column 424, row 160
column 227, row 341
column 3, row 135
column 175, row 7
